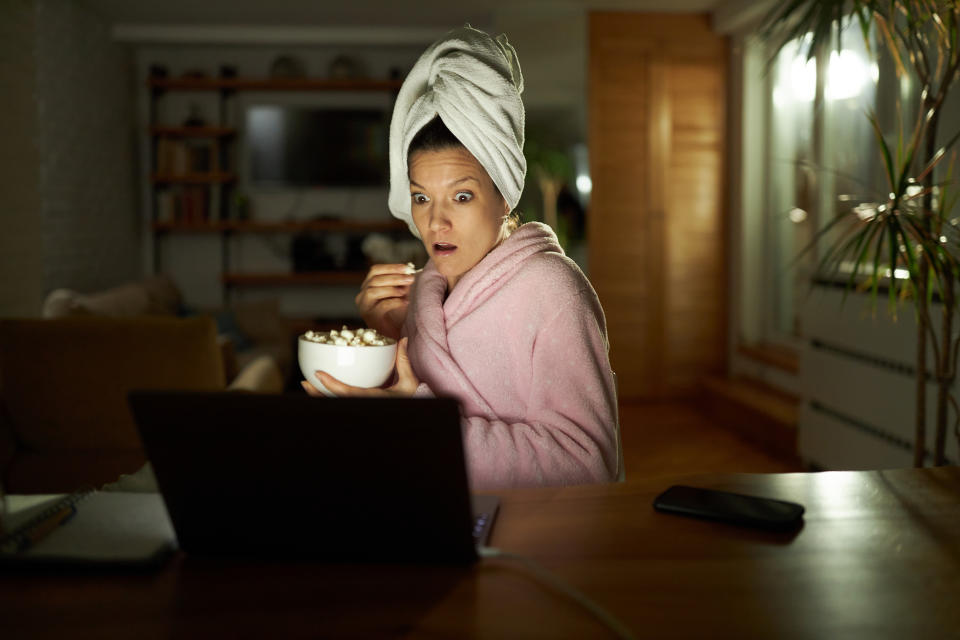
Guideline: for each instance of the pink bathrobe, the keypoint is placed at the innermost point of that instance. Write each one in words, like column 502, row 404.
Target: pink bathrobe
column 521, row 343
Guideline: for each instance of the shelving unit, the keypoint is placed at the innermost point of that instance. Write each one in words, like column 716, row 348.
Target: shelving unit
column 212, row 177
column 288, row 279
column 244, row 226
column 217, row 182
column 193, row 132
column 271, row 84
column 324, row 278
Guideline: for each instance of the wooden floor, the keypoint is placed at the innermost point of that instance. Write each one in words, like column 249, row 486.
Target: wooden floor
column 676, row 438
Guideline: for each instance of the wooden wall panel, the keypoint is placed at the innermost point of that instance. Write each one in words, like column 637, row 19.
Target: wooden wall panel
column 657, row 221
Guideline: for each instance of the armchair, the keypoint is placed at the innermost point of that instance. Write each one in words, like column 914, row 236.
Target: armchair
column 64, row 419
column 246, row 332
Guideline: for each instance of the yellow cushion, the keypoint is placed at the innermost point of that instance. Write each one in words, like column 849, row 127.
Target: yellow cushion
column 64, row 382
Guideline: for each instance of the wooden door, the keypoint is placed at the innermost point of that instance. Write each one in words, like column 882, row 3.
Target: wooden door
column 657, row 223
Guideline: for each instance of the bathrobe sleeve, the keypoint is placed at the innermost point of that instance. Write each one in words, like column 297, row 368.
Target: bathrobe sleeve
column 568, row 431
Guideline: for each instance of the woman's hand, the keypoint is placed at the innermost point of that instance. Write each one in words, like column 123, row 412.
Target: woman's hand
column 404, row 387
column 383, row 300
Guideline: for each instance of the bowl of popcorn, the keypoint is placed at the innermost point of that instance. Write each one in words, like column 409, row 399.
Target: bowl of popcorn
column 358, row 357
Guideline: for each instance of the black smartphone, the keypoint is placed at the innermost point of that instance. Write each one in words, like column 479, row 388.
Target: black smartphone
column 734, row 508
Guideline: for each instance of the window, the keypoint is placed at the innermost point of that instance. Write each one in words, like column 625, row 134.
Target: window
column 809, row 153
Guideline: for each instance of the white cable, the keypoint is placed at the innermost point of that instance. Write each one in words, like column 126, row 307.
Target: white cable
column 580, row 598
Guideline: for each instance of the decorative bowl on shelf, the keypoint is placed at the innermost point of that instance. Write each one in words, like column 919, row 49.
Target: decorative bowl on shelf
column 287, row 66
column 346, row 68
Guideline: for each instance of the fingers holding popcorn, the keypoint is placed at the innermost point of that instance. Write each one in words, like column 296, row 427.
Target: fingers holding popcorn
column 382, row 299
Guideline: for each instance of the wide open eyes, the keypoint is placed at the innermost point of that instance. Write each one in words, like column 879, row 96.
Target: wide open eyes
column 460, row 196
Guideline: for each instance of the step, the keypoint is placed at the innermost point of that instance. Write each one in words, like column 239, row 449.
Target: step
column 757, row 412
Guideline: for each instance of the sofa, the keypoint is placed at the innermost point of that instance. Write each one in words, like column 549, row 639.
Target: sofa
column 247, row 331
column 64, row 418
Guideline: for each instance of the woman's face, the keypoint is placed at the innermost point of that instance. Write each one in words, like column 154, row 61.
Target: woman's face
column 457, row 209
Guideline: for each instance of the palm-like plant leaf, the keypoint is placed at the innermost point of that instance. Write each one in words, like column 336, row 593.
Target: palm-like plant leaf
column 884, row 150
column 938, row 156
column 863, row 19
column 894, row 247
column 887, row 33
column 912, row 228
column 795, row 19
column 868, row 235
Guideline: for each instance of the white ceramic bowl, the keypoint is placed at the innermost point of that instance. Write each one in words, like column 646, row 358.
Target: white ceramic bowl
column 367, row 366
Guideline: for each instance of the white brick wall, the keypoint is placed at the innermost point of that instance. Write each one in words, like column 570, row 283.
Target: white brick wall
column 67, row 198
column 21, row 255
column 86, row 139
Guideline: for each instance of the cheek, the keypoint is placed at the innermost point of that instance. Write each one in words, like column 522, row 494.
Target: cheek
column 485, row 231
column 494, row 221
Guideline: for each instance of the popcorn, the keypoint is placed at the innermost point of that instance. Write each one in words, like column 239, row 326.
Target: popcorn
column 411, row 269
column 349, row 337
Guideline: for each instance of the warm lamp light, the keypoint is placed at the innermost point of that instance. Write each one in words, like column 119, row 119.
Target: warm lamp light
column 847, row 74
column 797, row 81
column 584, row 184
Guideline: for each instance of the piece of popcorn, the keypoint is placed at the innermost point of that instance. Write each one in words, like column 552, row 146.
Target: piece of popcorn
column 410, row 270
column 361, row 337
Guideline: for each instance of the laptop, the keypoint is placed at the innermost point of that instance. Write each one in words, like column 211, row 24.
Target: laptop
column 331, row 479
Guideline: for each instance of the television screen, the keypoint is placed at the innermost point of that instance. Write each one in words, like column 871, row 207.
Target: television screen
column 307, row 146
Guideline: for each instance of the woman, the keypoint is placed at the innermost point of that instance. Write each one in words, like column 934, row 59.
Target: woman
column 499, row 317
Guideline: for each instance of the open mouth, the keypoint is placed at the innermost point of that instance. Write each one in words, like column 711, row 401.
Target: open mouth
column 443, row 248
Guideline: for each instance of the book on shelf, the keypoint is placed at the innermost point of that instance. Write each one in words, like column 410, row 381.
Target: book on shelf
column 184, row 157
column 187, row 204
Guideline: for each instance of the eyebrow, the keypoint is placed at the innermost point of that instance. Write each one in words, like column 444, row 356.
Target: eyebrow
column 455, row 182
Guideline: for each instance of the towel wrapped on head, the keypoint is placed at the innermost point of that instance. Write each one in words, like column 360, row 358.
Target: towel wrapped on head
column 473, row 82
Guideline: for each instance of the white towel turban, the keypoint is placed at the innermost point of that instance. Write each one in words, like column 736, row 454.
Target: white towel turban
column 473, row 82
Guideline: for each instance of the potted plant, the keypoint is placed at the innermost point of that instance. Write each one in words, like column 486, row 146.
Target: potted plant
column 549, row 169
column 910, row 231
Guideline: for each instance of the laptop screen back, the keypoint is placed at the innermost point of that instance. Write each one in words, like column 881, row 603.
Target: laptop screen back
column 345, row 479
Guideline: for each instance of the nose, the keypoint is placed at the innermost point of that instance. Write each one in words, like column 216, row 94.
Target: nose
column 439, row 218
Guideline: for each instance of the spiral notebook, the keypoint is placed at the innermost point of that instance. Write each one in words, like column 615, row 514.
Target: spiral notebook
column 87, row 527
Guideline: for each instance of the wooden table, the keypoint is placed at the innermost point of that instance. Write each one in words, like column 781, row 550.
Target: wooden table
column 878, row 557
